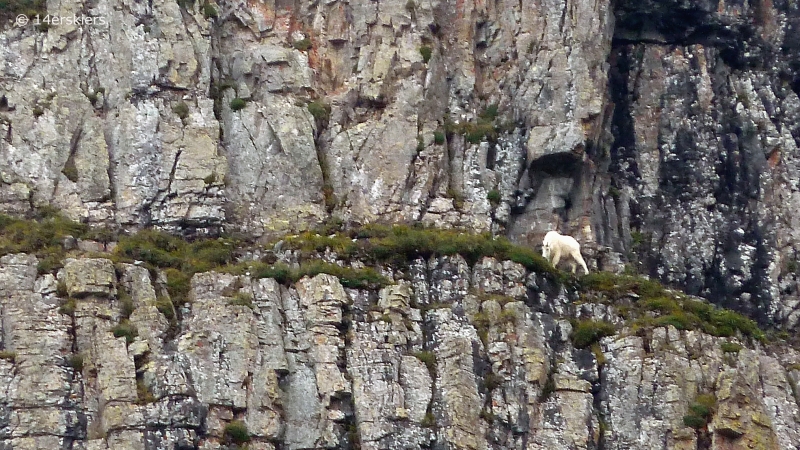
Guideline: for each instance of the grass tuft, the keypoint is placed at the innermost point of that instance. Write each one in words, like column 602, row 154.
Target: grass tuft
column 125, row 329
column 588, row 332
column 236, row 432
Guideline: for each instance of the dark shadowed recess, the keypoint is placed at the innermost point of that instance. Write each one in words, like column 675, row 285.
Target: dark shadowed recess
column 557, row 164
column 679, row 22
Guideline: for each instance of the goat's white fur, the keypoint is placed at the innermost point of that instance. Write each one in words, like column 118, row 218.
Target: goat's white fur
column 557, row 245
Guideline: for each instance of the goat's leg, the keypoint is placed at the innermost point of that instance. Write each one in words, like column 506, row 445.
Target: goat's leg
column 577, row 257
column 556, row 257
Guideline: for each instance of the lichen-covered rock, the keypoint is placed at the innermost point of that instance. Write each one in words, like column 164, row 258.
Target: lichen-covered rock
column 90, row 276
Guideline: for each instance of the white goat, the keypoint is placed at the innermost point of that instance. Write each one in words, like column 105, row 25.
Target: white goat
column 556, row 245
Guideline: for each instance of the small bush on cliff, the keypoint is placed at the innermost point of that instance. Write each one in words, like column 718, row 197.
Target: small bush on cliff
column 730, row 347
column 125, row 329
column 494, row 197
column 236, row 432
column 166, row 307
column 319, row 110
column 9, row 9
column 181, row 110
column 237, row 104
column 700, row 411
column 302, row 44
column 76, row 362
column 429, row 359
column 426, row 53
column 587, row 332
column 209, row 12
column 242, row 299
column 143, row 393
column 67, row 306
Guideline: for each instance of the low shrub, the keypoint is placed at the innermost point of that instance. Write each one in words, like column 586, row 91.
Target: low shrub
column 587, row 332
column 492, row 381
column 730, row 347
column 700, row 411
column 426, row 53
column 76, row 362
column 125, row 329
column 67, row 307
column 43, row 236
column 490, row 113
column 181, row 110
column 302, row 44
column 319, row 110
column 494, row 196
column 238, row 104
column 429, row 421
column 9, row 9
column 694, row 421
column 126, row 305
column 209, row 11
column 166, row 307
column 429, row 359
column 143, row 393
column 236, row 432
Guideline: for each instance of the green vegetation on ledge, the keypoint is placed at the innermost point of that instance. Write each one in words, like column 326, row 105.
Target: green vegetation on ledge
column 643, row 303
column 43, row 236
column 648, row 304
column 398, row 244
column 700, row 411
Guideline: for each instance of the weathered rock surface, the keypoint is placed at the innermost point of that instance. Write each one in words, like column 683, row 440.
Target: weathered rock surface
column 660, row 134
column 314, row 365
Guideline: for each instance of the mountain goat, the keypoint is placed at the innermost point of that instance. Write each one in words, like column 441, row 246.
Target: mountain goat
column 556, row 245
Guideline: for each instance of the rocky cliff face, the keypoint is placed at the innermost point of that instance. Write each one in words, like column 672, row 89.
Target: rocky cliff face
column 663, row 135
column 448, row 356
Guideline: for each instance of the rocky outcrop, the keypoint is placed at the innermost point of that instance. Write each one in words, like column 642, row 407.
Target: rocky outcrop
column 485, row 363
column 660, row 134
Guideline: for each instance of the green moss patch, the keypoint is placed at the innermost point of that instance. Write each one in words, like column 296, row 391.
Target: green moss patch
column 398, row 244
